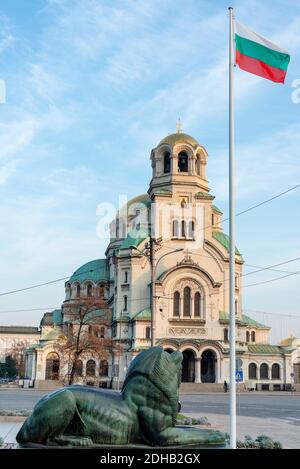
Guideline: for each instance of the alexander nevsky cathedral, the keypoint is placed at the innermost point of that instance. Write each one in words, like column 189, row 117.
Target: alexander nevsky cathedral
column 170, row 240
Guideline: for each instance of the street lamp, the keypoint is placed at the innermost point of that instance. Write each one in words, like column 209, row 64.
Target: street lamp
column 153, row 268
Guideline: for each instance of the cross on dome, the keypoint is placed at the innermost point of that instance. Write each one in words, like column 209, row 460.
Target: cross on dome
column 179, row 126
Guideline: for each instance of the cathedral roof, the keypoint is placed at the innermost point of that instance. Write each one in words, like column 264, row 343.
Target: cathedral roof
column 223, row 239
column 19, row 330
column 54, row 317
column 266, row 349
column 245, row 321
column 143, row 314
column 94, row 270
column 179, row 137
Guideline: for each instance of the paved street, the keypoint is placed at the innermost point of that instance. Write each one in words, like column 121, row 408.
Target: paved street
column 277, row 415
column 262, row 405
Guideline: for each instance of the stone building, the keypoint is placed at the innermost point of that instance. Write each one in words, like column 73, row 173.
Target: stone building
column 190, row 259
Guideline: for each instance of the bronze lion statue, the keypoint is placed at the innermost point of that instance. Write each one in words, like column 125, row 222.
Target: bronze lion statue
column 143, row 413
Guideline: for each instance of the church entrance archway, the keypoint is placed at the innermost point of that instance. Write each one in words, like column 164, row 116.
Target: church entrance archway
column 208, row 366
column 188, row 367
column 52, row 366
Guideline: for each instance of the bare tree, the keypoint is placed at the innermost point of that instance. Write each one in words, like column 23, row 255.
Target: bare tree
column 17, row 352
column 83, row 337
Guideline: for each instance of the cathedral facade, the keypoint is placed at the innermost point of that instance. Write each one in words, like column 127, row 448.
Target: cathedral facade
column 168, row 253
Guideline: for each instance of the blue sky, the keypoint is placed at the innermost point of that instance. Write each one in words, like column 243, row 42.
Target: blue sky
column 92, row 86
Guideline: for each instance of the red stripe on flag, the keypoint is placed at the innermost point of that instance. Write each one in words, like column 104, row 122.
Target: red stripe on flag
column 257, row 67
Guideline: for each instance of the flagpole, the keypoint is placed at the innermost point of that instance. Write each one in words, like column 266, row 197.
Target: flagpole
column 232, row 238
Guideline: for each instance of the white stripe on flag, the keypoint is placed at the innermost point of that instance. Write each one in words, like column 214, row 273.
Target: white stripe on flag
column 247, row 33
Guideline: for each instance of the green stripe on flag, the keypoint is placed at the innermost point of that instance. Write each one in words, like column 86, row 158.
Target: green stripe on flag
column 264, row 54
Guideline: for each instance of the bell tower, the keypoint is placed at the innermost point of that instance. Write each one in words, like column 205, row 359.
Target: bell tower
column 178, row 163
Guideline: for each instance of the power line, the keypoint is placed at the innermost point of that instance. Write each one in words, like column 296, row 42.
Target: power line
column 270, row 281
column 288, row 315
column 28, row 310
column 211, row 225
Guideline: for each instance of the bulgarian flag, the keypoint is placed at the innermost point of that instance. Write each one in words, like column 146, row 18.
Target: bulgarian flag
column 255, row 54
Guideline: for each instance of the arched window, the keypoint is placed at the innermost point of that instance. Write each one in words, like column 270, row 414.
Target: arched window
column 52, row 366
column 225, row 335
column 252, row 371
column 78, row 291
column 89, row 290
column 91, row 330
column 102, row 332
column 70, row 330
column 78, row 368
column 167, row 163
column 264, row 371
column 198, row 165
column 187, row 301
column 103, row 368
column 101, row 291
column 176, row 303
column 183, row 229
column 247, row 336
column 68, row 291
column 275, row 371
column 183, row 162
column 175, row 229
column 253, row 336
column 125, row 303
column 148, row 332
column 197, row 305
column 191, row 229
column 90, row 368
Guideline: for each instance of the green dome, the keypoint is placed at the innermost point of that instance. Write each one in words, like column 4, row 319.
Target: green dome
column 179, row 137
column 94, row 270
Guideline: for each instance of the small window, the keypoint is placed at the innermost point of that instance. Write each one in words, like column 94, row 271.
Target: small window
column 198, row 165
column 183, row 162
column 148, row 332
column 78, row 368
column 78, row 291
column 102, row 332
column 125, row 276
column 176, row 304
column 236, row 307
column 264, row 371
column 167, row 163
column 253, row 336
column 191, row 229
column 90, row 368
column 226, row 337
column 103, row 368
column 89, row 290
column 187, row 301
column 183, row 229
column 125, row 303
column 175, row 229
column 252, row 371
column 197, row 305
column 275, row 371
column 247, row 336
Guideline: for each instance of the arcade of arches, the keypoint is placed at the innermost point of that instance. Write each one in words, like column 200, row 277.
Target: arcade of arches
column 201, row 369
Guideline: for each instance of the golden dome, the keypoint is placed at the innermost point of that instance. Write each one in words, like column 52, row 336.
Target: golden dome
column 179, row 137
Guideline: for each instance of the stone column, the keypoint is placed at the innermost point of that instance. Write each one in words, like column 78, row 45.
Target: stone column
column 197, row 370
column 33, row 365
